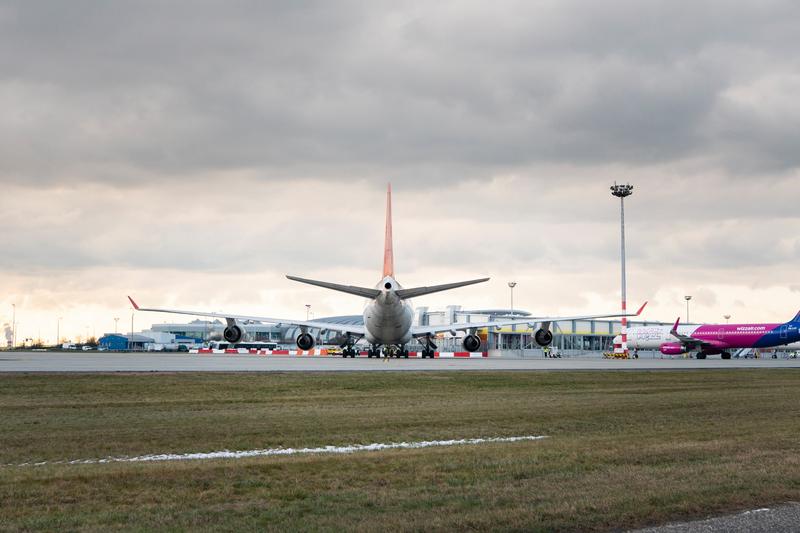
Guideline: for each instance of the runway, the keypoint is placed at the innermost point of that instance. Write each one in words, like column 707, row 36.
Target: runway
column 176, row 362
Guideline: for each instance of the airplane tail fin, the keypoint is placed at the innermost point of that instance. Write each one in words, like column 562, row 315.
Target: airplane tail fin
column 796, row 317
column 419, row 291
column 388, row 249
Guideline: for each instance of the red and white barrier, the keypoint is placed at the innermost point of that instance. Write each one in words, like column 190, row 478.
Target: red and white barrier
column 253, row 351
column 323, row 352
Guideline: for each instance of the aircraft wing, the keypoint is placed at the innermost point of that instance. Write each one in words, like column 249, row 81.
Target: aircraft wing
column 419, row 331
column 314, row 324
column 687, row 340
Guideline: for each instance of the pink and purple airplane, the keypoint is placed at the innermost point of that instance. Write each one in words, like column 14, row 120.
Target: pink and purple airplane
column 710, row 339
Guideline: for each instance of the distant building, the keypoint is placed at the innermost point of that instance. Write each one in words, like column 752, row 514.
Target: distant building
column 207, row 330
column 118, row 341
column 569, row 336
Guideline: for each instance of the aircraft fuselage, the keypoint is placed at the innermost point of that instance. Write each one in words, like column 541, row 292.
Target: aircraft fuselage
column 719, row 336
column 387, row 318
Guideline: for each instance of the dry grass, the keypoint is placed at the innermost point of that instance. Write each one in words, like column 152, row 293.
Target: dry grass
column 626, row 449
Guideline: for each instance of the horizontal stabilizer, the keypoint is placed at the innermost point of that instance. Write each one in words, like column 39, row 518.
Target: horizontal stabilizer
column 419, row 291
column 350, row 289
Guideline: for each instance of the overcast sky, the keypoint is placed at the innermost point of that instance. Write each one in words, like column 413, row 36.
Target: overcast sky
column 192, row 153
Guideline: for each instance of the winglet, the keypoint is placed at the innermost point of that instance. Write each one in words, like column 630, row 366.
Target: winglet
column 388, row 252
column 133, row 303
column 675, row 327
column 639, row 312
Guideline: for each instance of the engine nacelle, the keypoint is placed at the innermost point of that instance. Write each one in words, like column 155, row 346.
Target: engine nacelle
column 543, row 337
column 305, row 341
column 672, row 348
column 233, row 334
column 471, row 343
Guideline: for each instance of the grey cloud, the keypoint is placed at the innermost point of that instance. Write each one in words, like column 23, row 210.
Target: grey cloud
column 147, row 91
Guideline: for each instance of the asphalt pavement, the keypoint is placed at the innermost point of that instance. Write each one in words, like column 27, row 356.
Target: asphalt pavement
column 182, row 362
column 775, row 519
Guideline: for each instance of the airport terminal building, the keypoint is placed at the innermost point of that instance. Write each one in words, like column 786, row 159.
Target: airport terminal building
column 569, row 337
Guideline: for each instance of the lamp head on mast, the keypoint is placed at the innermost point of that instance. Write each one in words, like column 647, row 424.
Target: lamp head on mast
column 621, row 191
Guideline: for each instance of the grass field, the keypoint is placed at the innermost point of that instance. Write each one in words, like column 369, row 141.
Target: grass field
column 626, row 449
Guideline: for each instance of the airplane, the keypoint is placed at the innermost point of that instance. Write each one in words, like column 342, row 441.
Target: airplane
column 388, row 316
column 712, row 339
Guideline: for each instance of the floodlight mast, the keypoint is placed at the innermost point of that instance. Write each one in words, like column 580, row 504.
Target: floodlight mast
column 622, row 191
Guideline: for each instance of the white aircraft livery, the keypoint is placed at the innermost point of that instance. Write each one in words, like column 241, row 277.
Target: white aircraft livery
column 388, row 317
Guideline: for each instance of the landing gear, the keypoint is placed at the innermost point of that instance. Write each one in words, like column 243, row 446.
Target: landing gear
column 388, row 351
column 700, row 355
column 726, row 355
column 349, row 351
column 348, row 346
column 428, row 347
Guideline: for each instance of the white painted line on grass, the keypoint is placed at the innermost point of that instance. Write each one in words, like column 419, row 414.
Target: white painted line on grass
column 241, row 454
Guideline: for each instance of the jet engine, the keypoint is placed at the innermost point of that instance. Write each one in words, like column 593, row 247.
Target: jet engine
column 543, row 337
column 471, row 343
column 305, row 341
column 234, row 333
column 672, row 348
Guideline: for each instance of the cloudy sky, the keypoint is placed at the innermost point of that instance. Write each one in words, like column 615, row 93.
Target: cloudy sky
column 192, row 153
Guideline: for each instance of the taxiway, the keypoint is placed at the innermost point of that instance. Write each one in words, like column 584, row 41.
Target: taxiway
column 175, row 362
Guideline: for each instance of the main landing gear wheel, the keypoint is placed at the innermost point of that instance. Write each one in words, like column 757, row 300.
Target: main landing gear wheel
column 726, row 355
column 349, row 351
column 700, row 355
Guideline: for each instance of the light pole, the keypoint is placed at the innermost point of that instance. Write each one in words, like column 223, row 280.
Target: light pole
column 116, row 321
column 14, row 326
column 621, row 192
column 511, row 285
column 308, row 309
column 726, row 317
column 687, row 298
column 58, row 330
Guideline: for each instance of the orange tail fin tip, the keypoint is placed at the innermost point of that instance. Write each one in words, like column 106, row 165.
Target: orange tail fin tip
column 388, row 251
